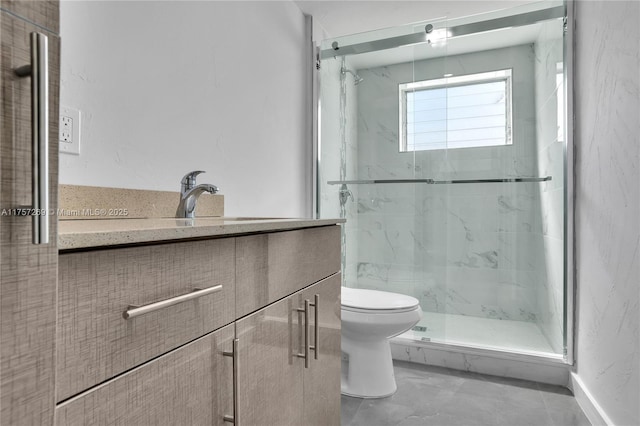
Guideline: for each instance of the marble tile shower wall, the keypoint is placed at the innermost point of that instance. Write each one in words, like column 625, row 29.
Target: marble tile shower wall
column 472, row 249
column 550, row 152
column 338, row 155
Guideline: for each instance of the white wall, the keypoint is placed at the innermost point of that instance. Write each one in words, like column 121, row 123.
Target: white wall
column 608, row 205
column 169, row 87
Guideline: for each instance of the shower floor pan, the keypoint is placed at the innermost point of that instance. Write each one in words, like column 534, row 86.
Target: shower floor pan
column 495, row 334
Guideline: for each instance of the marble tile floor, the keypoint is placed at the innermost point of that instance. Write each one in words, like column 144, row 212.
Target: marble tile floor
column 483, row 332
column 436, row 396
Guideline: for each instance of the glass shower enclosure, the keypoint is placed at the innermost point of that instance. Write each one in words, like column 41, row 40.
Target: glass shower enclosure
column 443, row 143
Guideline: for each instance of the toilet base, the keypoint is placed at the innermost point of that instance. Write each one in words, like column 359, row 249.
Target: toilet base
column 369, row 373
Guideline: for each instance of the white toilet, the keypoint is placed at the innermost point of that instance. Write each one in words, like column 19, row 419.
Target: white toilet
column 369, row 319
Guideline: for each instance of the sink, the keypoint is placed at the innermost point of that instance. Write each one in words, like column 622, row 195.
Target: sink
column 221, row 219
column 235, row 219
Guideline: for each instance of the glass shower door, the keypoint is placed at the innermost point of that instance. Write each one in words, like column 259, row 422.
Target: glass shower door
column 446, row 157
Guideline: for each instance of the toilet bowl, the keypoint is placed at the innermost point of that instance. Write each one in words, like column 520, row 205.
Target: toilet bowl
column 369, row 319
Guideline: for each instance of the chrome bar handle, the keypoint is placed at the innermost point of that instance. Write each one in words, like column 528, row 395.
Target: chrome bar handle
column 305, row 355
column 39, row 72
column 316, row 326
column 135, row 311
column 307, row 328
column 234, row 354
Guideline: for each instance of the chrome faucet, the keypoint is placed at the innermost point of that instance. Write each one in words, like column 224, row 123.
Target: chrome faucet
column 189, row 193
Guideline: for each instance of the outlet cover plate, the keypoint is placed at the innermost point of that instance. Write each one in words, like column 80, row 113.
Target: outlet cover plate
column 69, row 130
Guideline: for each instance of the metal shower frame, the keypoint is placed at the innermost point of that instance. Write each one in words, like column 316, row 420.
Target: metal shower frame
column 567, row 12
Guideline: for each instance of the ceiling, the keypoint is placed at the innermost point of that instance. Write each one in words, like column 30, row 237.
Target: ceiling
column 339, row 18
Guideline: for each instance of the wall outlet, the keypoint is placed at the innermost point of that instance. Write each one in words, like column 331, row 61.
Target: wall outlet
column 69, row 130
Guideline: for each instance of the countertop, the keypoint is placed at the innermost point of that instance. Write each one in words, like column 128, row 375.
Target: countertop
column 78, row 234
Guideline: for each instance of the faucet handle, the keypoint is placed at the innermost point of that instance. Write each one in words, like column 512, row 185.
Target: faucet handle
column 189, row 180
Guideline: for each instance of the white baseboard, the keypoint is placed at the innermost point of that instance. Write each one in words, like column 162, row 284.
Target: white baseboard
column 588, row 403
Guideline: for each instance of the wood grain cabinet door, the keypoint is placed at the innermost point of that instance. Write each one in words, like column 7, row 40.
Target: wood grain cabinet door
column 27, row 271
column 191, row 385
column 45, row 13
column 275, row 387
column 322, row 378
column 270, row 389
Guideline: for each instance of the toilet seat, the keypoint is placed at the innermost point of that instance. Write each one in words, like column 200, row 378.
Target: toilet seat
column 376, row 302
column 378, row 311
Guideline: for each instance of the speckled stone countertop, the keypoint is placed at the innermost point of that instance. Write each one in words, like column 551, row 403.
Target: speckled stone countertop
column 78, row 234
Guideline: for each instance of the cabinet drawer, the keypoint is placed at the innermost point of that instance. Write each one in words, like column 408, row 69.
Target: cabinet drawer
column 192, row 385
column 95, row 342
column 272, row 266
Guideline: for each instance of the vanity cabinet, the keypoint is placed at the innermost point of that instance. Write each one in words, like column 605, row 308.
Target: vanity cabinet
column 238, row 352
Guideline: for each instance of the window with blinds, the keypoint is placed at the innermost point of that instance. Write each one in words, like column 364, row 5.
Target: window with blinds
column 456, row 112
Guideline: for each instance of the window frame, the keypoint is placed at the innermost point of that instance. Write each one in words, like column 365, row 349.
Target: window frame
column 448, row 81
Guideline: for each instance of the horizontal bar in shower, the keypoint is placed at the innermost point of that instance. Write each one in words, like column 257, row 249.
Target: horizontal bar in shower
column 439, row 182
column 519, row 20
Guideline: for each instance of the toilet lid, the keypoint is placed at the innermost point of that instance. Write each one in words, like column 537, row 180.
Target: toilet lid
column 375, row 300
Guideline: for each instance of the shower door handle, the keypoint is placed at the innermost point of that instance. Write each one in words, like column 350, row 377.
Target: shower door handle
column 38, row 70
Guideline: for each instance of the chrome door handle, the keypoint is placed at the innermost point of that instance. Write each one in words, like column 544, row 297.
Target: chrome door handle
column 316, row 326
column 305, row 354
column 307, row 328
column 38, row 70
column 234, row 355
column 134, row 311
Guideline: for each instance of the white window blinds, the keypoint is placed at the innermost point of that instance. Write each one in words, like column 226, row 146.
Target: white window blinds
column 456, row 112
